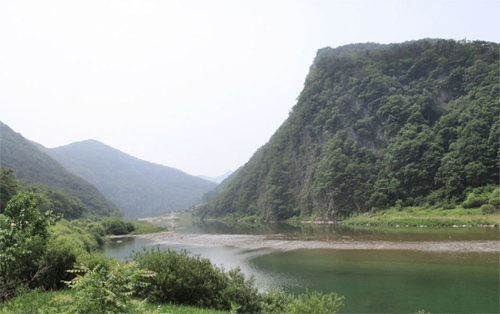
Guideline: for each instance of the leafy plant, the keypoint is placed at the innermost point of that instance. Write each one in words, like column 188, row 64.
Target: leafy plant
column 117, row 226
column 23, row 229
column 193, row 280
column 107, row 289
column 275, row 301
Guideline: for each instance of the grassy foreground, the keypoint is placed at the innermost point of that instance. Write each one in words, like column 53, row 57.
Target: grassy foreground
column 38, row 301
column 430, row 217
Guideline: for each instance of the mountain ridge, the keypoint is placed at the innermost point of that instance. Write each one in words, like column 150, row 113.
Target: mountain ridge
column 139, row 188
column 412, row 123
column 34, row 166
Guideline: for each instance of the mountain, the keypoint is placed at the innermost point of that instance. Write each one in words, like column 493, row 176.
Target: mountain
column 32, row 166
column 415, row 123
column 217, row 179
column 138, row 188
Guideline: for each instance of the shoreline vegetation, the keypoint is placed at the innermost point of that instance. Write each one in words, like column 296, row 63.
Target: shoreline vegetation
column 42, row 252
column 395, row 217
column 480, row 208
column 426, row 217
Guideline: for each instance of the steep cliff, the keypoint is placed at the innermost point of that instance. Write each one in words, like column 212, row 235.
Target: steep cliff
column 414, row 123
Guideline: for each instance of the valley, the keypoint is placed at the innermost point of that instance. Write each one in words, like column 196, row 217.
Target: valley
column 379, row 193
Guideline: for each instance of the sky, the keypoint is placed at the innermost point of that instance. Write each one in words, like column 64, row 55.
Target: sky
column 195, row 85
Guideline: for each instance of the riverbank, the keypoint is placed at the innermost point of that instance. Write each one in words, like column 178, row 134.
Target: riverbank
column 425, row 217
column 398, row 217
column 277, row 242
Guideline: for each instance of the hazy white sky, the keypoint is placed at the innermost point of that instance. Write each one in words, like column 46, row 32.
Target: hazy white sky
column 196, row 85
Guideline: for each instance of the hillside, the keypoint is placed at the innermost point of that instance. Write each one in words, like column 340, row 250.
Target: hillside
column 415, row 123
column 138, row 188
column 33, row 166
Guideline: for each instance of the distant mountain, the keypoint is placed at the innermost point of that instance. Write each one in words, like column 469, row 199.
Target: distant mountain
column 33, row 166
column 217, row 179
column 220, row 187
column 375, row 126
column 138, row 188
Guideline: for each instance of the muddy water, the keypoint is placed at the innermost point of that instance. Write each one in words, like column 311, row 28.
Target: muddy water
column 397, row 277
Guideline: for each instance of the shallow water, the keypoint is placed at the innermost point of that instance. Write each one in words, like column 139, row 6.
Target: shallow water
column 392, row 281
column 326, row 232
column 371, row 280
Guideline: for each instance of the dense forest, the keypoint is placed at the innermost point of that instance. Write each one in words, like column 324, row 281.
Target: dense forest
column 57, row 201
column 415, row 123
column 34, row 167
column 137, row 187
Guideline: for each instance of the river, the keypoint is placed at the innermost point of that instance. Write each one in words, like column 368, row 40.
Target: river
column 383, row 270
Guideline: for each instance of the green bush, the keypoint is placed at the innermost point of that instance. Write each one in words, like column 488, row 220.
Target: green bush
column 240, row 293
column 488, row 194
column 494, row 198
column 475, row 200
column 316, row 303
column 117, row 226
column 78, row 232
column 275, row 301
column 69, row 244
column 106, row 289
column 61, row 254
column 23, row 231
column 91, row 260
column 193, row 280
column 97, row 230
column 489, row 209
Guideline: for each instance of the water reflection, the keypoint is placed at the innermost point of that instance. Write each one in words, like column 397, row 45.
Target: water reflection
column 328, row 232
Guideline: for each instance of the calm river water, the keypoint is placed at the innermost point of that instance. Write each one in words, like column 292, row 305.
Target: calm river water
column 372, row 281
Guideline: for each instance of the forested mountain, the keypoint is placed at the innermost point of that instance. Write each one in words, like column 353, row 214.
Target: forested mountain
column 33, row 166
column 415, row 123
column 138, row 188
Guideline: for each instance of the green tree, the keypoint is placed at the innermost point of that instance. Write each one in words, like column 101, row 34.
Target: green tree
column 23, row 227
column 8, row 187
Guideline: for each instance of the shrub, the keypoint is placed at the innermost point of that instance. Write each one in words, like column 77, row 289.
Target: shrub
column 193, row 280
column 475, row 200
column 77, row 232
column 494, row 198
column 488, row 209
column 106, row 289
column 316, row 303
column 275, row 301
column 448, row 205
column 91, row 260
column 241, row 294
column 117, row 226
column 23, row 230
column 60, row 255
column 97, row 230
